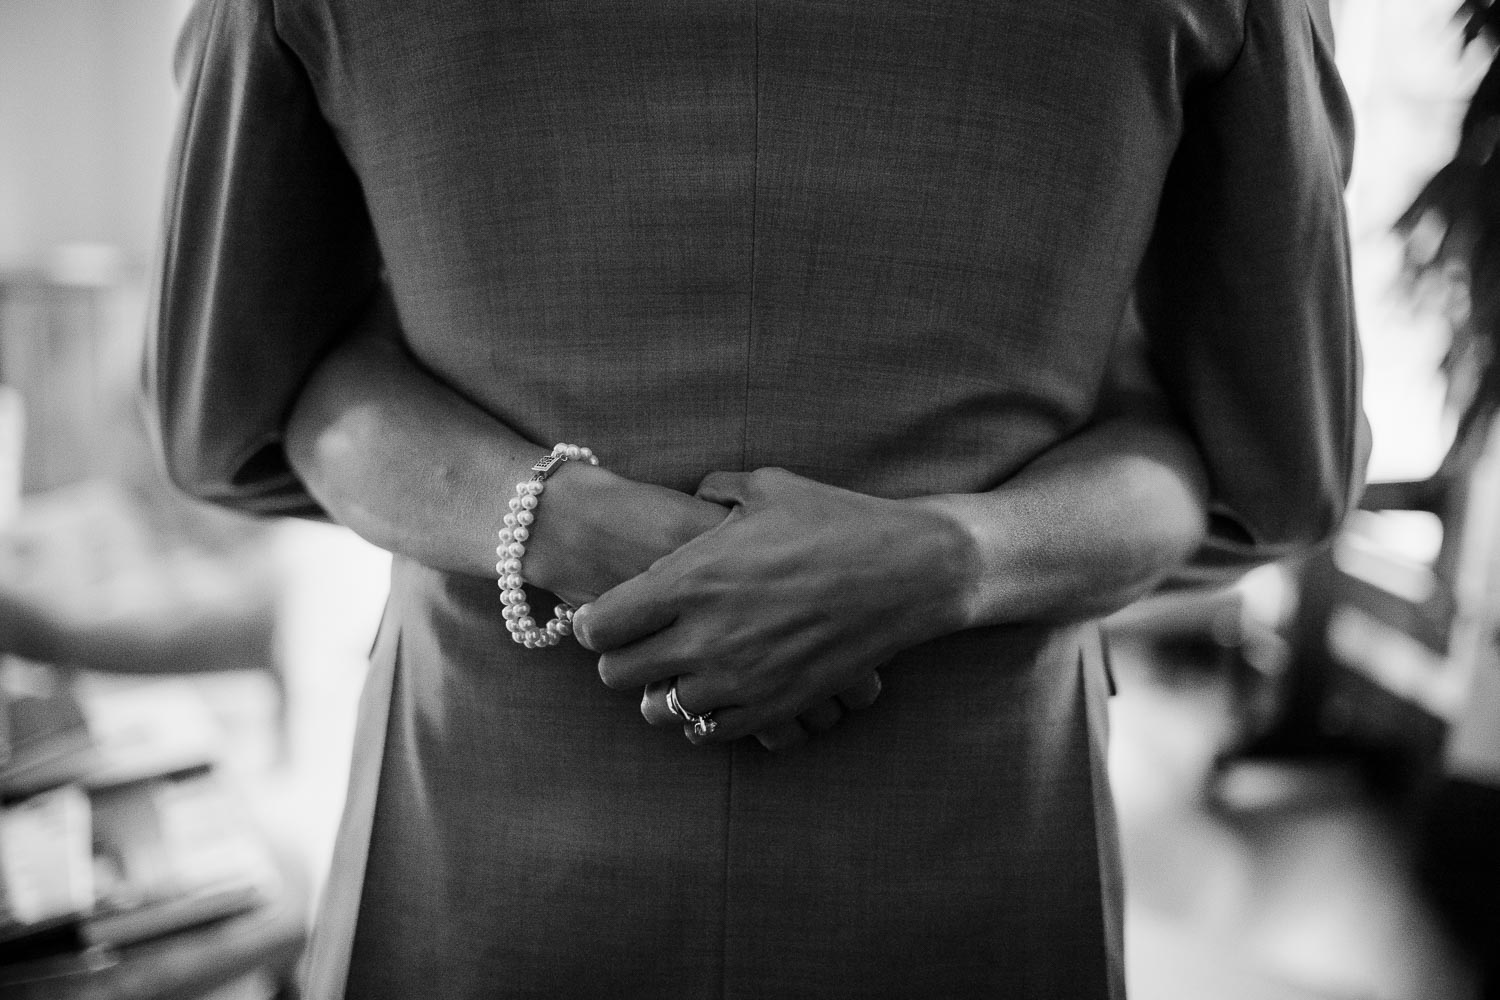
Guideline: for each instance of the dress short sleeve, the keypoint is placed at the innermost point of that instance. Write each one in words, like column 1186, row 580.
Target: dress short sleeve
column 267, row 259
column 1246, row 297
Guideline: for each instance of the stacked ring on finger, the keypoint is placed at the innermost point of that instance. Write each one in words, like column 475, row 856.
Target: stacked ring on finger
column 513, row 536
column 703, row 725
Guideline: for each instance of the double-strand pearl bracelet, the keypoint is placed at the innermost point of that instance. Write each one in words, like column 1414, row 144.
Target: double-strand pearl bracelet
column 518, row 621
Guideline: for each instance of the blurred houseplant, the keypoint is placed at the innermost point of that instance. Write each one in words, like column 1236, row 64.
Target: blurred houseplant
column 1452, row 233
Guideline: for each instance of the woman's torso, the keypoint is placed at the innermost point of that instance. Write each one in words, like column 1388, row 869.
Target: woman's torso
column 884, row 244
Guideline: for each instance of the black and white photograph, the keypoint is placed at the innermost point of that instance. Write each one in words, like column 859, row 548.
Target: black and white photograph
column 749, row 499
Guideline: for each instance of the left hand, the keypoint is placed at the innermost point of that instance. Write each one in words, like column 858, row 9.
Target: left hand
column 799, row 594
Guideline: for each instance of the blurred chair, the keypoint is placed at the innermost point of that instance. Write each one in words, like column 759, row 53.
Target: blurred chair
column 104, row 566
column 1380, row 641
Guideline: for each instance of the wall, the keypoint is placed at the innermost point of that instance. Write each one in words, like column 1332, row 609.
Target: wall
column 86, row 106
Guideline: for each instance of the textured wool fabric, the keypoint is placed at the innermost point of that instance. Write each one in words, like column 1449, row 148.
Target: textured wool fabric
column 887, row 244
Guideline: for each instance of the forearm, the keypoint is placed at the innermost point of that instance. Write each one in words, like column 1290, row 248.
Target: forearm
column 806, row 587
column 1084, row 530
column 415, row 468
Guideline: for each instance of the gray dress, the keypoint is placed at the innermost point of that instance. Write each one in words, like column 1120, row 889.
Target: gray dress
column 886, row 244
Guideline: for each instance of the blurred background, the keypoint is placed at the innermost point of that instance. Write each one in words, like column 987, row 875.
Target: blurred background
column 1307, row 765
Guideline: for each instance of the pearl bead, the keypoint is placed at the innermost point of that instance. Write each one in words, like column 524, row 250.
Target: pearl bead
column 517, row 522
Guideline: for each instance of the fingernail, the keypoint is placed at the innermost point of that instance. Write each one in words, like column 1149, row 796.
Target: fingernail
column 581, row 627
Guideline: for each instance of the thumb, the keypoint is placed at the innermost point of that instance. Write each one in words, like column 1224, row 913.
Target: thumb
column 633, row 610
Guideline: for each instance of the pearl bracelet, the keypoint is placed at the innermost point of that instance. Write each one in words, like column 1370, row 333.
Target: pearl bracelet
column 518, row 621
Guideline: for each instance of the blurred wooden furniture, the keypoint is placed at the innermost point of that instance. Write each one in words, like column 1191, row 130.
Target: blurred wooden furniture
column 105, row 567
column 129, row 866
column 260, row 948
column 1385, row 638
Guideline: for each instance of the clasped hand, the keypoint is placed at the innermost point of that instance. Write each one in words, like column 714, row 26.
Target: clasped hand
column 785, row 609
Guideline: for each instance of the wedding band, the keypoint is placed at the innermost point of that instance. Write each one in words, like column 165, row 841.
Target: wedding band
column 702, row 725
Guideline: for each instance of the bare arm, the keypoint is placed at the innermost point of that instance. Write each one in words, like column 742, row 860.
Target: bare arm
column 804, row 585
column 413, row 467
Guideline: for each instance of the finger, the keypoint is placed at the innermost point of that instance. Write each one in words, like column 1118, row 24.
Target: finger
column 863, row 694
column 783, row 736
column 822, row 717
column 654, row 705
column 651, row 660
column 635, row 609
column 703, row 694
column 727, row 488
column 736, row 721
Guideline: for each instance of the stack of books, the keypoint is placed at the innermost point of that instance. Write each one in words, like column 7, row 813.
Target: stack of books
column 115, row 824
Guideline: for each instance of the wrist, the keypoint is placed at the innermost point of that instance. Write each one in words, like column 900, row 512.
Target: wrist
column 556, row 557
column 954, row 569
column 524, row 628
column 598, row 529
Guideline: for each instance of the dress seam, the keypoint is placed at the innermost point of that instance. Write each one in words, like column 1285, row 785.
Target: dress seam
column 754, row 229
column 744, row 463
column 724, row 879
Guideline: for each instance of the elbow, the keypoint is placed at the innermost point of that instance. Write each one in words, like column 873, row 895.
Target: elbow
column 1301, row 508
column 1164, row 523
column 1172, row 523
column 344, row 463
